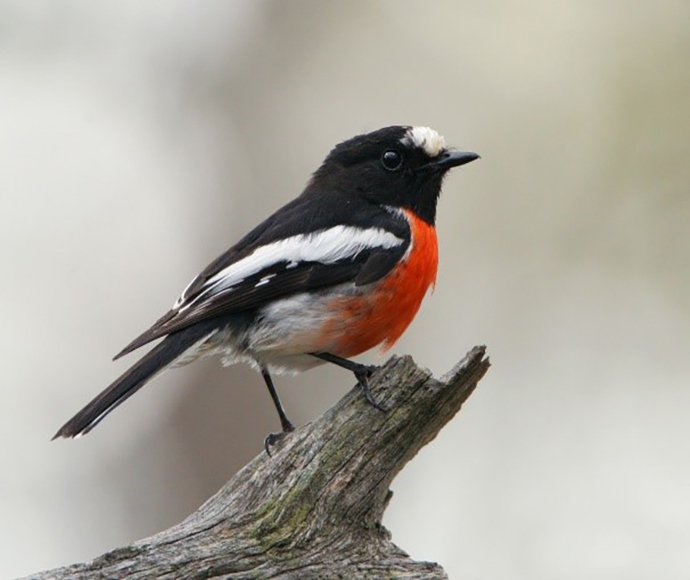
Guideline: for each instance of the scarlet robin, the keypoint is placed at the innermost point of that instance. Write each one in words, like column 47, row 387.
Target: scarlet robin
column 335, row 272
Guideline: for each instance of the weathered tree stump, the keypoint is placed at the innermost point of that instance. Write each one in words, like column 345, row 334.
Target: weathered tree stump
column 313, row 509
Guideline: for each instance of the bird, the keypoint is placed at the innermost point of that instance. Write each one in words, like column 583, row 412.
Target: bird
column 337, row 271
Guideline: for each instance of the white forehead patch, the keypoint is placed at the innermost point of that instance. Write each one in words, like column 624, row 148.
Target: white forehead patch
column 425, row 138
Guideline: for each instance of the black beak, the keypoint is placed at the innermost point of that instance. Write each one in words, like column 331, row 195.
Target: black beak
column 451, row 158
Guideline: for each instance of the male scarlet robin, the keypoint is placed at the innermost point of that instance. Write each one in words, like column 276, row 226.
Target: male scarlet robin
column 337, row 271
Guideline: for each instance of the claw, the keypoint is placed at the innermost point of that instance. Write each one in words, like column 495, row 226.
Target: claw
column 362, row 377
column 362, row 374
column 273, row 438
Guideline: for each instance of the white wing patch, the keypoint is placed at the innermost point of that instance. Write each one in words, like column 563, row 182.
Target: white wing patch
column 326, row 246
column 265, row 280
column 424, row 138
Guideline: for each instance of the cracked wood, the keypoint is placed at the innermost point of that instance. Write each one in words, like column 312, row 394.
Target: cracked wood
column 314, row 509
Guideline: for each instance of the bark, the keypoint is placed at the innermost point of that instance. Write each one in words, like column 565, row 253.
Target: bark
column 313, row 509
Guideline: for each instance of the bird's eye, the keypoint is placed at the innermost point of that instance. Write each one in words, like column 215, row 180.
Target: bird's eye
column 391, row 160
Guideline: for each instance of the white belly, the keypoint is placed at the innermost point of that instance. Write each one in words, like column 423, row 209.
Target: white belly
column 282, row 335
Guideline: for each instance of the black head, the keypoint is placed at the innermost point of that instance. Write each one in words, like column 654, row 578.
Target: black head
column 396, row 166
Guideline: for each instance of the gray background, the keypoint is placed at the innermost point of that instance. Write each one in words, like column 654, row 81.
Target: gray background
column 139, row 139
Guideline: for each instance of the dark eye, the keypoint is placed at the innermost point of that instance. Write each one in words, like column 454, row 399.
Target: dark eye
column 391, row 160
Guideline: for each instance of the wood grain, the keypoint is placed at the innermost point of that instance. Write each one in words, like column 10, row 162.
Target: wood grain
column 313, row 509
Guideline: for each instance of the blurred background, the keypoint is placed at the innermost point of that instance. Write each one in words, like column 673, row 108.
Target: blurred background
column 139, row 140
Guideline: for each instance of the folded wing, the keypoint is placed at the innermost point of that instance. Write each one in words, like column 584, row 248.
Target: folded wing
column 283, row 267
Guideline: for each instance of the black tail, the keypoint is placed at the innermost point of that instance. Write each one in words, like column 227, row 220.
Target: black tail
column 131, row 381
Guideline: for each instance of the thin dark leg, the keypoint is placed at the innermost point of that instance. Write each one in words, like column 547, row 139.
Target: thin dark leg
column 362, row 374
column 285, row 423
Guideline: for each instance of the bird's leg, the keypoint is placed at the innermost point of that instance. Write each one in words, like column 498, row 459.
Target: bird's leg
column 273, row 438
column 361, row 372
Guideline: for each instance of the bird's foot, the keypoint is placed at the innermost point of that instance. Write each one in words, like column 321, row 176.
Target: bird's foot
column 274, row 438
column 362, row 375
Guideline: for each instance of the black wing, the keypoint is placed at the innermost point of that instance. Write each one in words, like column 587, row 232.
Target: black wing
column 211, row 294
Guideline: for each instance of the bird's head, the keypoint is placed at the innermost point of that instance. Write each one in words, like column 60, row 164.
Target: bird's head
column 398, row 166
